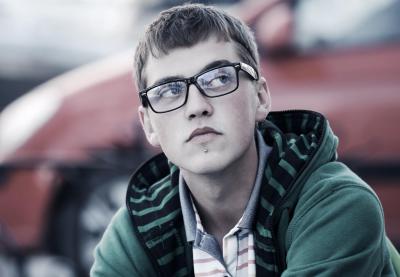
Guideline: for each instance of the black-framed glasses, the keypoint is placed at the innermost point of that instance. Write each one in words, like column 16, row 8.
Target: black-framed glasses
column 214, row 82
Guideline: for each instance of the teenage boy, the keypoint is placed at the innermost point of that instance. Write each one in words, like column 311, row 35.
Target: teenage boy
column 238, row 190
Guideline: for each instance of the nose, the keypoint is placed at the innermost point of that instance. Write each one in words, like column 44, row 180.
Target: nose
column 197, row 104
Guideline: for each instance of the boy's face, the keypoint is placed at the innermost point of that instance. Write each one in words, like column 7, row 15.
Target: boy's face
column 224, row 125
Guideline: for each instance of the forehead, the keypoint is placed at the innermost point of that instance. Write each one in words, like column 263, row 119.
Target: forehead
column 188, row 61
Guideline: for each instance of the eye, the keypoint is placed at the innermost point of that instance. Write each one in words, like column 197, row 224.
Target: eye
column 169, row 90
column 220, row 80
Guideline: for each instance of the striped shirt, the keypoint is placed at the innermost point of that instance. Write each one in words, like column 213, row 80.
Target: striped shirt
column 237, row 257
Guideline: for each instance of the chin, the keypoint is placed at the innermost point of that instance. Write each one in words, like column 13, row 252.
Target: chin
column 206, row 163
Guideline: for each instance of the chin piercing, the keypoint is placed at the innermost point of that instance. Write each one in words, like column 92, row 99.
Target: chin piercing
column 205, row 150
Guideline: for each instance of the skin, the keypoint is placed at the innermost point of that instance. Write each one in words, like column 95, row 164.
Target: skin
column 225, row 174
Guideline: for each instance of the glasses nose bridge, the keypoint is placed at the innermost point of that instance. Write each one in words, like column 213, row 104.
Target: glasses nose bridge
column 193, row 80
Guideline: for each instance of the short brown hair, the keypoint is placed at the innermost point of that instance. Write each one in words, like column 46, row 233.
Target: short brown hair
column 186, row 25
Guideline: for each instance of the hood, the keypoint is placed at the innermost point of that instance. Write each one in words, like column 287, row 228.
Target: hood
column 301, row 142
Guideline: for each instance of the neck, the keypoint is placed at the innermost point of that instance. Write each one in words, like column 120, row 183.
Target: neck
column 221, row 197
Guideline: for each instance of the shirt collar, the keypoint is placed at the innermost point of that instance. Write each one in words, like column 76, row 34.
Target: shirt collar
column 247, row 219
column 189, row 218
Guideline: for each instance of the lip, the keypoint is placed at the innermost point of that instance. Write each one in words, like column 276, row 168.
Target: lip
column 202, row 131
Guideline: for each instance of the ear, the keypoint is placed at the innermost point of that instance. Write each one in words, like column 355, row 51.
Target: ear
column 263, row 100
column 147, row 126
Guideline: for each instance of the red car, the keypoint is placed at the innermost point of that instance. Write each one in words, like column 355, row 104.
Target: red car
column 69, row 146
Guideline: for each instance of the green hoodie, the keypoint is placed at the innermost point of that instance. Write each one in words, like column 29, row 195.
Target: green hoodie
column 315, row 217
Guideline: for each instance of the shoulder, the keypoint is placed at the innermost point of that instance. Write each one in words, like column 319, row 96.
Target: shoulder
column 335, row 180
column 337, row 223
column 119, row 252
column 333, row 189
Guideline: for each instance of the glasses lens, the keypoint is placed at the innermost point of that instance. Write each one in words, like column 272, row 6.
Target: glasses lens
column 218, row 81
column 168, row 96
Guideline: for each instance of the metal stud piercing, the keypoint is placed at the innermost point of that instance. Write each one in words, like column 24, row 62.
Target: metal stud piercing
column 205, row 150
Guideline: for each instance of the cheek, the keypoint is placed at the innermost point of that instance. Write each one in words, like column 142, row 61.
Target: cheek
column 161, row 127
column 240, row 118
column 244, row 107
column 167, row 132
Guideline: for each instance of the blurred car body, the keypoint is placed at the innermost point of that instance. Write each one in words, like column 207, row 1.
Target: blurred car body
column 62, row 148
column 69, row 146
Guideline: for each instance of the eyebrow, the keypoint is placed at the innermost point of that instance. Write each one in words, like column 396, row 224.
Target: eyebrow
column 176, row 77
